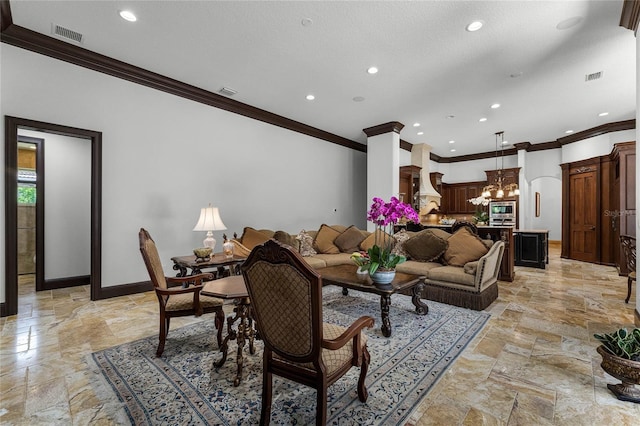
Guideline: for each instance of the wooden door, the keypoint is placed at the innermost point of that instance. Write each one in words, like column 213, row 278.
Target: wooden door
column 583, row 215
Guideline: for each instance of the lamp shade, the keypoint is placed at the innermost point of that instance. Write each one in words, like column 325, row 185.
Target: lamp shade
column 209, row 220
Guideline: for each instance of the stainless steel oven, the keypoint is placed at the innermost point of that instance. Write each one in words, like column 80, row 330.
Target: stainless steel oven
column 502, row 213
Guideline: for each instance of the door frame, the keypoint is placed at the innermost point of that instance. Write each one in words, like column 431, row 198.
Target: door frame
column 40, row 201
column 11, row 125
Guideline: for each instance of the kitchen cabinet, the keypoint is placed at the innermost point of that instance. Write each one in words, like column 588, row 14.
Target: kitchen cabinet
column 531, row 247
column 455, row 197
column 410, row 185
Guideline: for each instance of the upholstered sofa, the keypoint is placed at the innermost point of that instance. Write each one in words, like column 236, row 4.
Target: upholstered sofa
column 460, row 268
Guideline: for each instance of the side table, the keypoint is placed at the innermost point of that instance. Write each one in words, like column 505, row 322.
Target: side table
column 217, row 261
column 233, row 287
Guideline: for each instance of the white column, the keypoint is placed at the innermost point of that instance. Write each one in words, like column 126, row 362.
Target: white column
column 525, row 198
column 383, row 163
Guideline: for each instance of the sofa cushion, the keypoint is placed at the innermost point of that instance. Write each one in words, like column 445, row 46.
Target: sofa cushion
column 464, row 246
column 417, row 268
column 400, row 238
column 287, row 239
column 316, row 262
column 425, row 246
column 336, row 259
column 252, row 237
column 349, row 241
column 324, row 240
column 370, row 241
column 452, row 274
column 306, row 244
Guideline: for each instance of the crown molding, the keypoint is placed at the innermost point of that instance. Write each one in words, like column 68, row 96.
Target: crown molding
column 24, row 38
column 630, row 16
column 380, row 129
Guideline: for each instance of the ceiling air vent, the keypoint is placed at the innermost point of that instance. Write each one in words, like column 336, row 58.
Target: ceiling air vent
column 66, row 33
column 594, row 76
column 227, row 91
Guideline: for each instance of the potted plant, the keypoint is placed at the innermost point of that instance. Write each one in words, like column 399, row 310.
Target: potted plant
column 480, row 217
column 382, row 262
column 620, row 353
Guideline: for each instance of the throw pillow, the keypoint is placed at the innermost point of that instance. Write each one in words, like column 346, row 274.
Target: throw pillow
column 252, row 238
column 464, row 246
column 425, row 246
column 349, row 241
column 370, row 241
column 306, row 244
column 324, row 240
column 401, row 238
column 287, row 239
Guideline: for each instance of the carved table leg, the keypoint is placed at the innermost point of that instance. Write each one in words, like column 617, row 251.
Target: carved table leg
column 242, row 332
column 385, row 302
column 182, row 271
column 231, row 334
column 421, row 308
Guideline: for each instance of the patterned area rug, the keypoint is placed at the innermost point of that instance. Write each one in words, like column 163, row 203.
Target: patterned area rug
column 182, row 388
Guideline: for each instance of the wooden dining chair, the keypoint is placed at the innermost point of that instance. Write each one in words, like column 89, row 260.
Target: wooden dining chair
column 286, row 302
column 183, row 299
column 628, row 244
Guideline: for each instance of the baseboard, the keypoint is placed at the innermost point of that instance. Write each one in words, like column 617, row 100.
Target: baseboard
column 555, row 243
column 124, row 290
column 3, row 310
column 67, row 282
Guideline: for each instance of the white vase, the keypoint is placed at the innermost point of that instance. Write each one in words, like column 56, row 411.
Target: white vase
column 383, row 277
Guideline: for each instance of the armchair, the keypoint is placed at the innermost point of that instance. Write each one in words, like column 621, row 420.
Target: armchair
column 628, row 244
column 177, row 301
column 286, row 302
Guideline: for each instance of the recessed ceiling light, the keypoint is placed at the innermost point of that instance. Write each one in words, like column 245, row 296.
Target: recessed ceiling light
column 310, row 97
column 602, row 114
column 505, row 142
column 494, row 106
column 358, row 99
column 453, row 150
column 482, row 120
column 474, row 26
column 372, row 70
column 451, row 116
column 420, row 133
column 416, row 124
column 516, row 74
column 307, row 22
column 128, row 16
column 452, row 141
column 569, row 131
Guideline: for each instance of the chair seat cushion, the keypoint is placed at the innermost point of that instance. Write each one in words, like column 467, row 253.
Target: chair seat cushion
column 335, row 359
column 184, row 301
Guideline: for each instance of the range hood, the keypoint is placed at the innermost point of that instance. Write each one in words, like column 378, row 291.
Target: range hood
column 429, row 197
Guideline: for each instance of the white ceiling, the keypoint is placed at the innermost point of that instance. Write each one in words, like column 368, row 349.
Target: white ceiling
column 430, row 67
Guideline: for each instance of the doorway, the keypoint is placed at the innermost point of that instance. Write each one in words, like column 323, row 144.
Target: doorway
column 12, row 125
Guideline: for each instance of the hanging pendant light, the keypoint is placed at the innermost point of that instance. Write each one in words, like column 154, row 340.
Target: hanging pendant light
column 497, row 186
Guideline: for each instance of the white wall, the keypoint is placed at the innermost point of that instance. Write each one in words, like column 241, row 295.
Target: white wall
column 67, row 164
column 596, row 146
column 165, row 157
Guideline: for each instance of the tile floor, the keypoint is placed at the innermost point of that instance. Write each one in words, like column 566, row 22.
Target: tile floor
column 533, row 364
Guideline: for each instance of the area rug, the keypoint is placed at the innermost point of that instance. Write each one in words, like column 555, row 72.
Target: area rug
column 182, row 387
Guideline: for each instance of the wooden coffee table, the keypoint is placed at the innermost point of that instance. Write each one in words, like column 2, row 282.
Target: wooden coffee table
column 345, row 276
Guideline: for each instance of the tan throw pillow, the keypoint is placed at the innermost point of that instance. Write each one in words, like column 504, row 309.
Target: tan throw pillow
column 425, row 246
column 471, row 267
column 287, row 239
column 401, row 238
column 464, row 247
column 324, row 240
column 306, row 244
column 349, row 241
column 252, row 238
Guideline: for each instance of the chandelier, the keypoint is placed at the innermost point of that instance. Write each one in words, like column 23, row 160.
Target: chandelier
column 498, row 186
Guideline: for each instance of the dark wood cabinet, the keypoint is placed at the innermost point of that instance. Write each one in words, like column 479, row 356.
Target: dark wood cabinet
column 410, row 185
column 456, row 196
column 531, row 248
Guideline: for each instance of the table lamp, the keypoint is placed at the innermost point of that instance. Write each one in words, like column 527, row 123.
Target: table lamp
column 209, row 221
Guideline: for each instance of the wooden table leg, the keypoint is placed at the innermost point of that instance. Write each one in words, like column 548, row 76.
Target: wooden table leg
column 421, row 308
column 385, row 302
